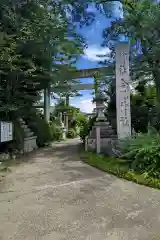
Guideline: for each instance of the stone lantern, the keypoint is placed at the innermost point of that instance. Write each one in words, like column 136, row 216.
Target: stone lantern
column 99, row 100
column 102, row 137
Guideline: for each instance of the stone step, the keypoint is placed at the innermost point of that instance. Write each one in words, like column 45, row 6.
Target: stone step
column 22, row 121
column 29, row 134
column 102, row 124
column 106, row 132
column 102, row 136
column 110, row 136
column 26, row 130
column 103, row 129
column 30, row 144
column 103, row 132
column 109, row 131
column 24, row 126
column 30, row 138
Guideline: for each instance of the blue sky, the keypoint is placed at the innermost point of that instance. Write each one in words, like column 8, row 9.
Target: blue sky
column 93, row 35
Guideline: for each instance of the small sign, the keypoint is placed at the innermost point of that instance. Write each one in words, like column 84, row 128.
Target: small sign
column 6, row 131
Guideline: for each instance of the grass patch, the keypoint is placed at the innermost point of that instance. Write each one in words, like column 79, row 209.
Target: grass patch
column 119, row 168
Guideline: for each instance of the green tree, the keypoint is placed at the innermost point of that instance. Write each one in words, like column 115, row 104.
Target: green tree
column 140, row 24
column 38, row 48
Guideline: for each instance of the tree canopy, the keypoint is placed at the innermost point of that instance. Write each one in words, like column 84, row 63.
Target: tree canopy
column 141, row 25
column 38, row 46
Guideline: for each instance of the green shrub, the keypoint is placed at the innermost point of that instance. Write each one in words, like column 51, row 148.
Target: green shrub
column 71, row 133
column 118, row 167
column 84, row 131
column 86, row 128
column 144, row 152
column 55, row 131
column 154, row 115
column 80, row 120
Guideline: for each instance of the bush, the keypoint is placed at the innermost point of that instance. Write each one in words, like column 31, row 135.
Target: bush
column 86, row 128
column 155, row 116
column 80, row 120
column 55, row 131
column 84, row 131
column 71, row 133
column 119, row 168
column 144, row 153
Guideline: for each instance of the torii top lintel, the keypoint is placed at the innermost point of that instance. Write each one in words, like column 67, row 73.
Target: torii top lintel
column 85, row 73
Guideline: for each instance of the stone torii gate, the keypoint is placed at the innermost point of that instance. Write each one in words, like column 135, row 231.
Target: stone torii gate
column 84, row 73
column 122, row 89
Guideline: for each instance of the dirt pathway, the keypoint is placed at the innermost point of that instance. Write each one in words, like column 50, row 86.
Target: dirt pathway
column 54, row 196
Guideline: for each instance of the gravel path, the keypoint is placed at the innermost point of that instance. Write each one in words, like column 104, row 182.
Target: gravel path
column 55, row 196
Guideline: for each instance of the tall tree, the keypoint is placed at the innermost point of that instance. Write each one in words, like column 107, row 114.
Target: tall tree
column 141, row 25
column 34, row 37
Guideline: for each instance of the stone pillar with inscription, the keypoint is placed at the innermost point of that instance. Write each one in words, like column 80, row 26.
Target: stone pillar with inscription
column 123, row 90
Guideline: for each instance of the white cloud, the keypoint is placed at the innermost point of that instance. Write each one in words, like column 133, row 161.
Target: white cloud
column 117, row 9
column 91, row 8
column 85, row 105
column 96, row 53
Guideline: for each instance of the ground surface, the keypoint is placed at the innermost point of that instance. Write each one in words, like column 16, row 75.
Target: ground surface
column 55, row 196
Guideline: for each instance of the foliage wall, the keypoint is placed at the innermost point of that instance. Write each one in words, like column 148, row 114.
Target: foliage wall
column 38, row 47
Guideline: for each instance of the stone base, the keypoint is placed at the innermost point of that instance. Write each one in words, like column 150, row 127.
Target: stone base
column 64, row 135
column 30, row 144
column 108, row 146
column 106, row 130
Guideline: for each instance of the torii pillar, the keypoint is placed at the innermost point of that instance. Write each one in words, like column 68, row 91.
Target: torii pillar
column 66, row 116
column 47, row 104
